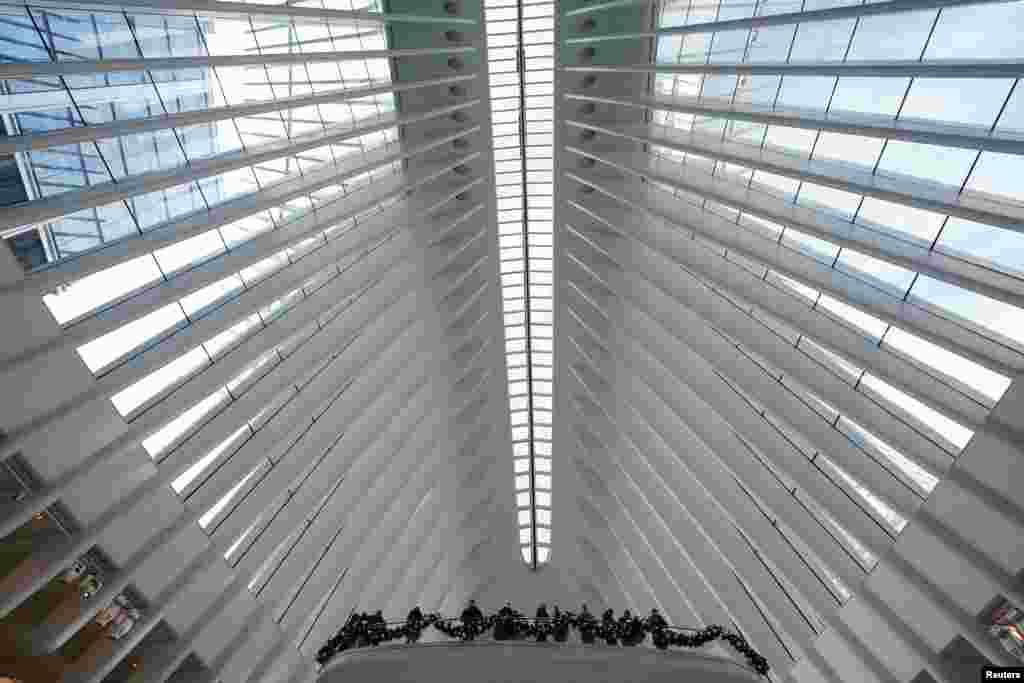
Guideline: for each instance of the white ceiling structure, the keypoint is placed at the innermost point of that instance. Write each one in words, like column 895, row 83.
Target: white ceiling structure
column 715, row 307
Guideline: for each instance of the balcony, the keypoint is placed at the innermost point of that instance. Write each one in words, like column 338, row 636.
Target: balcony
column 515, row 661
column 515, row 648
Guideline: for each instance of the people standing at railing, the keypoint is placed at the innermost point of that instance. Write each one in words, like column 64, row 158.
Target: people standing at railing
column 504, row 627
column 608, row 626
column 365, row 629
column 655, row 621
column 625, row 628
column 471, row 618
column 636, row 631
column 413, row 625
column 656, row 624
column 560, row 622
column 369, row 627
column 378, row 628
column 542, row 623
column 585, row 622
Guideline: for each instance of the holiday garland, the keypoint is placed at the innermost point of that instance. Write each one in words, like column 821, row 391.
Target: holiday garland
column 361, row 632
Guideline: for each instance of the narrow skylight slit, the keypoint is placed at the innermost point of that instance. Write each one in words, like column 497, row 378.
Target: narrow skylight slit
column 520, row 62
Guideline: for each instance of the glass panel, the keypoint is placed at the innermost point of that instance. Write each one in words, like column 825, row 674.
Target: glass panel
column 864, row 95
column 996, row 316
column 859, row 152
column 190, row 252
column 90, row 293
column 898, row 35
column 822, row 41
column 995, row 178
column 770, row 44
column 210, row 297
column 210, row 515
column 159, row 442
column 806, row 92
column 991, row 384
column 817, row 249
column 794, row 141
column 984, row 244
column 907, row 223
column 885, row 276
column 977, row 32
column 945, row 165
column 954, row 433
column 226, row 447
column 866, row 323
column 974, row 101
column 837, row 202
column 102, row 352
column 131, row 399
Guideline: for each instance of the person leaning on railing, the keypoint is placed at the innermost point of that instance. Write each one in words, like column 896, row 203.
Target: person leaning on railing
column 560, row 623
column 542, row 623
column 471, row 620
column 656, row 624
column 413, row 625
column 587, row 625
column 504, row 627
column 377, row 629
column 608, row 627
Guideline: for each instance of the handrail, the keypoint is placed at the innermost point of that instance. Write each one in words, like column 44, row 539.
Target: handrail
column 506, row 625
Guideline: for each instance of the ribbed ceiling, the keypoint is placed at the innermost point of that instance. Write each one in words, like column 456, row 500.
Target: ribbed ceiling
column 307, row 306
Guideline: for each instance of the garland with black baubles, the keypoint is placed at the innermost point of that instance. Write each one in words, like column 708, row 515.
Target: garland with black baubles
column 362, row 631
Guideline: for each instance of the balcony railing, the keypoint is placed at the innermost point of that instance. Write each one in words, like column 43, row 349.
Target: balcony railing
column 566, row 627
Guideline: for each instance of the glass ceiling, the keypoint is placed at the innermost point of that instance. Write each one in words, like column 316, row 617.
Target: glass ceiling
column 520, row 62
column 270, row 110
column 792, row 166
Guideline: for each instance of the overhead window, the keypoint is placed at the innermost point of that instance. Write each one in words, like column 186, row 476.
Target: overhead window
column 522, row 111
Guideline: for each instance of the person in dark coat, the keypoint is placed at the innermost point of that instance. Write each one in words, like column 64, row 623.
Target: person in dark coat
column 413, row 625
column 363, row 629
column 655, row 621
column 504, row 626
column 560, row 622
column 585, row 622
column 608, row 623
column 636, row 631
column 542, row 623
column 657, row 624
column 625, row 628
column 471, row 616
column 377, row 628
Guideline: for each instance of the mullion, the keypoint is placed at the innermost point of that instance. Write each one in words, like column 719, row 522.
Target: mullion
column 521, row 60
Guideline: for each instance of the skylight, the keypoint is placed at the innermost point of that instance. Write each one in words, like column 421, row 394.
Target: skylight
column 520, row 62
